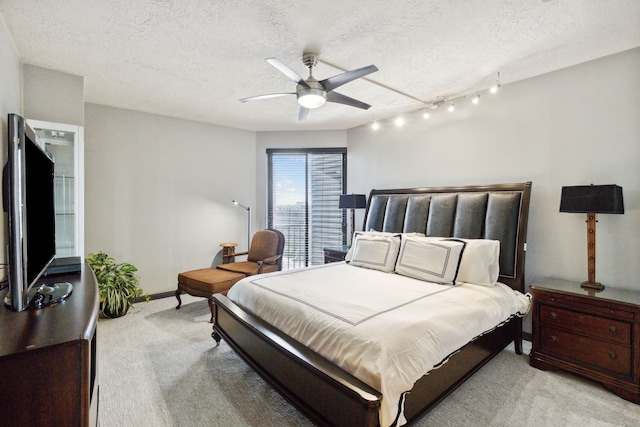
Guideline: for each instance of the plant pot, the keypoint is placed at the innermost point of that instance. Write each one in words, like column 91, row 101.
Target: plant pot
column 112, row 315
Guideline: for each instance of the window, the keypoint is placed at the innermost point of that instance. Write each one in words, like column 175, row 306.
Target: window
column 304, row 188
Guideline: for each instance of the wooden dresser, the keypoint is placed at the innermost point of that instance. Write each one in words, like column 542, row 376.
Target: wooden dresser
column 589, row 333
column 48, row 359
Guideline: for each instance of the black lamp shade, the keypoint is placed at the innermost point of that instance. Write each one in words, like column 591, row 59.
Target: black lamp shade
column 592, row 199
column 352, row 201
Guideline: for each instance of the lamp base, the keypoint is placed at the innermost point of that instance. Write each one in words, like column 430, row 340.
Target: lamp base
column 592, row 285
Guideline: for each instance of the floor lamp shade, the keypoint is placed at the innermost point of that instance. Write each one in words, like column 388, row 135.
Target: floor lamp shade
column 353, row 202
column 592, row 199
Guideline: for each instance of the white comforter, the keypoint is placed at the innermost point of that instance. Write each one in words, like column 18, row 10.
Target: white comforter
column 386, row 329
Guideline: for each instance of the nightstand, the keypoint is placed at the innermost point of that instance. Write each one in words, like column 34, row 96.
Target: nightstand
column 589, row 333
column 335, row 254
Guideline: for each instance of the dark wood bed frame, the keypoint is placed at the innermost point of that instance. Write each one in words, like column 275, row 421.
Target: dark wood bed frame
column 330, row 396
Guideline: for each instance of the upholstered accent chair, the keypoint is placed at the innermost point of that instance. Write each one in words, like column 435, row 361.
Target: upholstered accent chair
column 264, row 256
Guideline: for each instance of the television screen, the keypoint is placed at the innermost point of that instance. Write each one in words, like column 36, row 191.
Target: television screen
column 40, row 214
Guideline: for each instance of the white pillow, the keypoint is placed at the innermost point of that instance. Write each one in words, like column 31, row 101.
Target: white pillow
column 373, row 232
column 480, row 262
column 375, row 252
column 432, row 260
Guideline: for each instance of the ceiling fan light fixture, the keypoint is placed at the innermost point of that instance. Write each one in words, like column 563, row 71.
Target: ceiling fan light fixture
column 312, row 98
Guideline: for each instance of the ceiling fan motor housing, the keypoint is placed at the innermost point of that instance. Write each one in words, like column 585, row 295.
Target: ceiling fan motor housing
column 310, row 60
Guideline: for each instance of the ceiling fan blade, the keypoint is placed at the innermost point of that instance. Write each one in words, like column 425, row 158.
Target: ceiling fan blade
column 346, row 100
column 340, row 79
column 287, row 71
column 302, row 115
column 270, row 95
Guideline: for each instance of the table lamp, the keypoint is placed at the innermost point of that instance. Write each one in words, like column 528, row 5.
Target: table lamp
column 353, row 202
column 592, row 199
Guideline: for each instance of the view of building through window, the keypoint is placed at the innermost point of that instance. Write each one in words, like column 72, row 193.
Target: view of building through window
column 303, row 195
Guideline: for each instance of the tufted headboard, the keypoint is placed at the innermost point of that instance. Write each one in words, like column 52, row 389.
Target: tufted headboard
column 497, row 212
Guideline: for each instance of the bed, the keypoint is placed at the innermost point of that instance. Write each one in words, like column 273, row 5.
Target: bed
column 329, row 394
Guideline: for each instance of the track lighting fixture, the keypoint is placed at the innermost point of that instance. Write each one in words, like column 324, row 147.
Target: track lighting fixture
column 496, row 85
column 431, row 108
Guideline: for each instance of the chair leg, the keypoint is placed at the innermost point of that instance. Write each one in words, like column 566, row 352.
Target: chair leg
column 178, row 292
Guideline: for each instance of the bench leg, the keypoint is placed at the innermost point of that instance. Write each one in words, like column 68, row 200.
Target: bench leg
column 215, row 335
column 212, row 307
column 178, row 292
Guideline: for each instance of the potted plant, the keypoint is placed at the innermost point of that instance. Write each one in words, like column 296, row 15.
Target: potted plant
column 117, row 283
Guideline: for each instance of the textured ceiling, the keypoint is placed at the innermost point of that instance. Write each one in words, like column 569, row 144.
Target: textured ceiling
column 195, row 59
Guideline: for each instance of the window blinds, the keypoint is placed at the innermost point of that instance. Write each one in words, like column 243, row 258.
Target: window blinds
column 304, row 187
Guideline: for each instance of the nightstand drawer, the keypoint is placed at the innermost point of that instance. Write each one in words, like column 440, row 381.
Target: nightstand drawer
column 335, row 254
column 580, row 304
column 611, row 357
column 594, row 326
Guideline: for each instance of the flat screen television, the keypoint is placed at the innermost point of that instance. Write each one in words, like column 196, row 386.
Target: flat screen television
column 28, row 200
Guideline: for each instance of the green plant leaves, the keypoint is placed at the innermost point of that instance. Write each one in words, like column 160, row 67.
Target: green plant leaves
column 117, row 283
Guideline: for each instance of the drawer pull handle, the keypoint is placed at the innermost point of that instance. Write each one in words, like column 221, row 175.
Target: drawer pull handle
column 612, row 329
column 612, row 355
column 553, row 315
column 553, row 338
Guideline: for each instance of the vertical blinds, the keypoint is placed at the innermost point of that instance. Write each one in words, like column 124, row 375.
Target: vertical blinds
column 304, row 188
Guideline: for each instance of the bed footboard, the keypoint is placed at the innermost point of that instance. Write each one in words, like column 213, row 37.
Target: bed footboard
column 322, row 391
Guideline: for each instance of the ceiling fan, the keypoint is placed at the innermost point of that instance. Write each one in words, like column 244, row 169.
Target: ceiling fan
column 312, row 93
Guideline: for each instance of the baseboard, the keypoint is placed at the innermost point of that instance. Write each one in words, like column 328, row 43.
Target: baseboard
column 527, row 336
column 156, row 296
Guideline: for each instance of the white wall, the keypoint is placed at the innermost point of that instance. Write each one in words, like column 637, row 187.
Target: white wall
column 10, row 102
column 305, row 139
column 158, row 191
column 53, row 96
column 575, row 126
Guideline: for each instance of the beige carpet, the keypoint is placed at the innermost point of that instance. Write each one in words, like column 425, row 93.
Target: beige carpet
column 158, row 366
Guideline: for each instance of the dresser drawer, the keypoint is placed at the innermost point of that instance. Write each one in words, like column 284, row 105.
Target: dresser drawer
column 594, row 326
column 609, row 356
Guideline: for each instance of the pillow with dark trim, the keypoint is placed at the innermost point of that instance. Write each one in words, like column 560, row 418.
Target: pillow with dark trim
column 373, row 232
column 429, row 259
column 375, row 252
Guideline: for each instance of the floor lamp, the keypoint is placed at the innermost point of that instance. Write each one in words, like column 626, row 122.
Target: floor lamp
column 353, row 202
column 592, row 199
column 248, row 209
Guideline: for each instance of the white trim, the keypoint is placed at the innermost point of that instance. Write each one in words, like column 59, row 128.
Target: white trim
column 78, row 146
